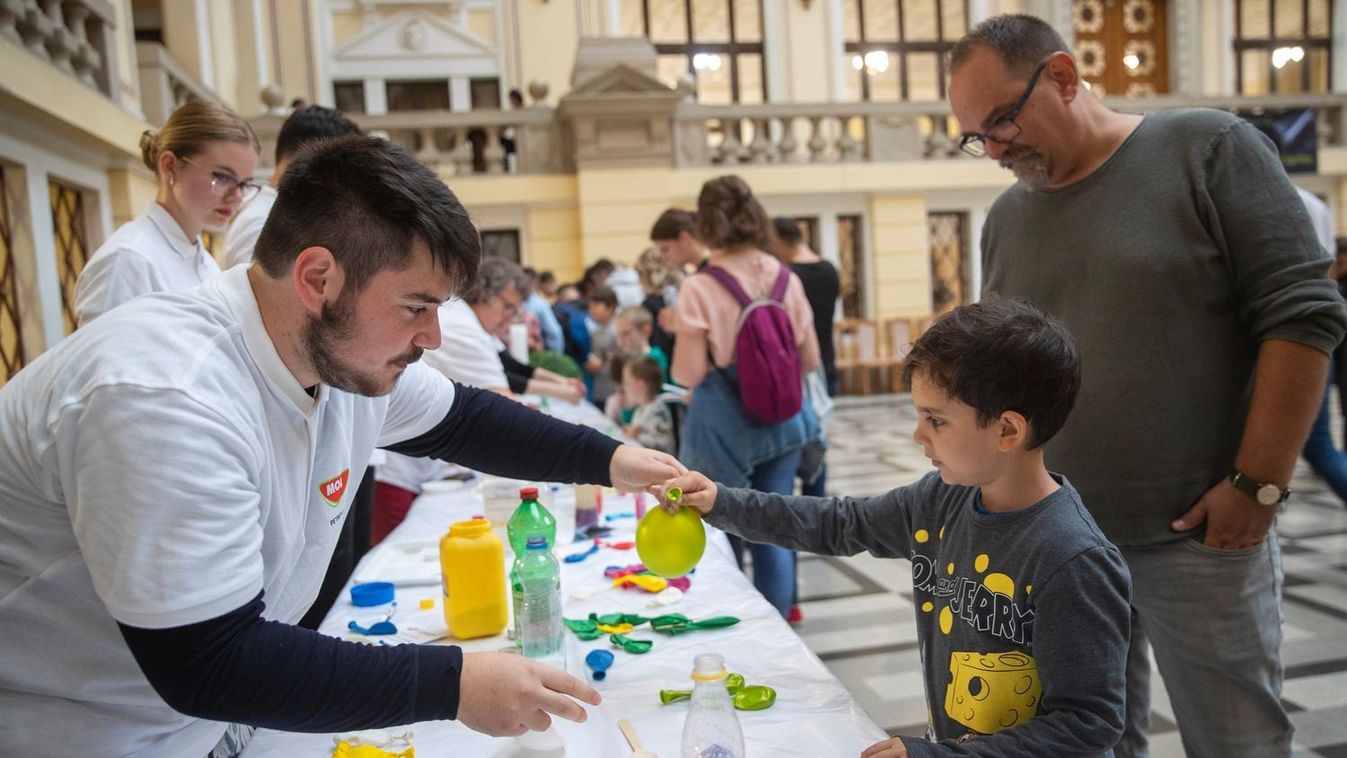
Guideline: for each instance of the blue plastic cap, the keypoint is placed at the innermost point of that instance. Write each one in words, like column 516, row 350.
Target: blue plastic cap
column 372, row 593
column 537, row 542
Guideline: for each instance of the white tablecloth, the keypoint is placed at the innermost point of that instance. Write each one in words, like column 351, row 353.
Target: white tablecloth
column 813, row 716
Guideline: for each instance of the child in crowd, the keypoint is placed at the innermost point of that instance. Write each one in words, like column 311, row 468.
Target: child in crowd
column 616, row 407
column 634, row 325
column 652, row 423
column 1022, row 605
column 602, row 303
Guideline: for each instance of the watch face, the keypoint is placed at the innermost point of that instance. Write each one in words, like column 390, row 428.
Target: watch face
column 1269, row 494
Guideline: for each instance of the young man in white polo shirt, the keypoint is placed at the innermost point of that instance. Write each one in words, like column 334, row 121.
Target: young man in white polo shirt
column 173, row 478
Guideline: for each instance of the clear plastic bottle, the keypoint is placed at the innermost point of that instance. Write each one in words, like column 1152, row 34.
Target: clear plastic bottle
column 535, row 582
column 712, row 729
column 530, row 519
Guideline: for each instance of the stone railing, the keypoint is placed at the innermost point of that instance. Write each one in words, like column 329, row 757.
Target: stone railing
column 76, row 36
column 549, row 141
column 164, row 83
column 473, row 142
column 847, row 132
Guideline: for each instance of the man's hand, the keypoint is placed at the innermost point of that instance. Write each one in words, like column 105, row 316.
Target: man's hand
column 593, row 363
column 893, row 748
column 699, row 493
column 634, row 469
column 1234, row 520
column 506, row 695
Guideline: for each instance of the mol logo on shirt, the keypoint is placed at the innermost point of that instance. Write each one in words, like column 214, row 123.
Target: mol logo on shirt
column 333, row 489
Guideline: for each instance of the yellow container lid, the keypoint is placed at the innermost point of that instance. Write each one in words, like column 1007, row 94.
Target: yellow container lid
column 473, row 528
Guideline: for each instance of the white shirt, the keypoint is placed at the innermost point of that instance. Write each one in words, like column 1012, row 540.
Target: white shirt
column 161, row 467
column 1321, row 218
column 241, row 237
column 149, row 253
column 467, row 354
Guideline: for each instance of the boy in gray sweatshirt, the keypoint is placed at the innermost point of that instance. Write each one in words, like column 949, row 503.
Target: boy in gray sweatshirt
column 1022, row 604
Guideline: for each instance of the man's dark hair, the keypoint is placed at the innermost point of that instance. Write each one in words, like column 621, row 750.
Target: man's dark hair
column 366, row 199
column 787, row 230
column 546, row 277
column 602, row 294
column 1019, row 40
column 1001, row 355
column 516, row 98
column 312, row 123
column 672, row 222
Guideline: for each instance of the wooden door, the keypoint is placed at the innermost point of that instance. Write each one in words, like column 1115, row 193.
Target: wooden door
column 1121, row 46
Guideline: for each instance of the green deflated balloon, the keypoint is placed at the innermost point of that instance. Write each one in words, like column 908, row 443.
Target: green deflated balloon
column 635, row 647
column 751, row 697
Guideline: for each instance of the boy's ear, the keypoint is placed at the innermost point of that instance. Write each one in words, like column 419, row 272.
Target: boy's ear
column 1014, row 431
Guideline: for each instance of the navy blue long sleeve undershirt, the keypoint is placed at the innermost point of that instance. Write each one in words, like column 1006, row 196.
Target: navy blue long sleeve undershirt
column 241, row 668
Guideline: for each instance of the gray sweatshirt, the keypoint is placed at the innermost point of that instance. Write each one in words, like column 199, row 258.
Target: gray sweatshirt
column 1169, row 264
column 1022, row 617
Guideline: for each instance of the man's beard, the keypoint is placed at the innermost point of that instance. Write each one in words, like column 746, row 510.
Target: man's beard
column 1027, row 165
column 323, row 338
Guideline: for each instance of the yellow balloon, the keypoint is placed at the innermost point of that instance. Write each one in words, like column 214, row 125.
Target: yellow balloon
column 670, row 545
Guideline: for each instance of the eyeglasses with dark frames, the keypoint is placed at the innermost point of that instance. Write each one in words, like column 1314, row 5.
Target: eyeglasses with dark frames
column 221, row 184
column 1003, row 130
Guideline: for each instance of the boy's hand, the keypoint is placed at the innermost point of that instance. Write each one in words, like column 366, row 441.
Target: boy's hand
column 893, row 748
column 593, row 363
column 699, row 493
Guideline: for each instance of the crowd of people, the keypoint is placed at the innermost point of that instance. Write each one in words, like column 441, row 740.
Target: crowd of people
column 1112, row 429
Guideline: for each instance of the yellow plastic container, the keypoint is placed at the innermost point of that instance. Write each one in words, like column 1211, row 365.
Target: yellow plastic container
column 472, row 558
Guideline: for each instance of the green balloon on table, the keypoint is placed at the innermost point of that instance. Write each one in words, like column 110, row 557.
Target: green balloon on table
column 670, row 544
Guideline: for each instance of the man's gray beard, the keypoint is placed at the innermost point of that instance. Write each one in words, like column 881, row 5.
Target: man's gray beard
column 1029, row 171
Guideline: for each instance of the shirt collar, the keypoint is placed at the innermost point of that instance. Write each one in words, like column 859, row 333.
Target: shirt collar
column 238, row 293
column 172, row 231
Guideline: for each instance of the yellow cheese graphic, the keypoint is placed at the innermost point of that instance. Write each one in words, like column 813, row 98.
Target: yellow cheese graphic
column 989, row 692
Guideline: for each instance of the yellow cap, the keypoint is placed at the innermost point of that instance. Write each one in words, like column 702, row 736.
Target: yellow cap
column 474, row 528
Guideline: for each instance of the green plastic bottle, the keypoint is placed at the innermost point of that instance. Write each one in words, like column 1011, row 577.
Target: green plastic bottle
column 530, row 519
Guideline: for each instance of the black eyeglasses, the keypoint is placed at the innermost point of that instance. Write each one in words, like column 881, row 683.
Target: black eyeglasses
column 1003, row 130
column 221, row 184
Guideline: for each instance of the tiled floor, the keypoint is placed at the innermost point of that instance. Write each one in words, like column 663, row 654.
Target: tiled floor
column 858, row 612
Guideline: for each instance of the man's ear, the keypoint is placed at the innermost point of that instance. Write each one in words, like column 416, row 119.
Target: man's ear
column 1062, row 72
column 317, row 278
column 1013, row 430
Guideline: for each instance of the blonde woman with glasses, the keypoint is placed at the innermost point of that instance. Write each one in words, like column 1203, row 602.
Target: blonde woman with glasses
column 203, row 159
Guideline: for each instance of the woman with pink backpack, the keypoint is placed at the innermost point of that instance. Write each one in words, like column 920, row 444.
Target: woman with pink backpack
column 745, row 339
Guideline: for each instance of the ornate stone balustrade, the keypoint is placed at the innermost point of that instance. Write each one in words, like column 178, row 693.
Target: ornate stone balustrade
column 689, row 135
column 847, row 132
column 76, row 36
column 461, row 142
column 164, row 83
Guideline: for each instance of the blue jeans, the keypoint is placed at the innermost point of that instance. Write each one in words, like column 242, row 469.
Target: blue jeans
column 1213, row 620
column 773, row 567
column 1324, row 458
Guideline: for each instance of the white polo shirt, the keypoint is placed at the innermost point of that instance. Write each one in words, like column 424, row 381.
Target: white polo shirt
column 149, row 253
column 161, row 467
column 468, row 355
column 241, row 237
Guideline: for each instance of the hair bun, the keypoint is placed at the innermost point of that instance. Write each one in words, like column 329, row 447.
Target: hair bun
column 149, row 149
